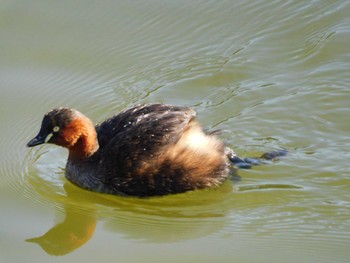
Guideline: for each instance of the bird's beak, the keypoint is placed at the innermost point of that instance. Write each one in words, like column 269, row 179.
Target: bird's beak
column 37, row 140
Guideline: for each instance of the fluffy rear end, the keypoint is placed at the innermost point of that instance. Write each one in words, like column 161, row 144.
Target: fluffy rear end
column 201, row 156
column 196, row 161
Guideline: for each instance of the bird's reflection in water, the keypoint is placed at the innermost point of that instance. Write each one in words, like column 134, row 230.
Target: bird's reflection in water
column 156, row 220
column 68, row 235
column 77, row 227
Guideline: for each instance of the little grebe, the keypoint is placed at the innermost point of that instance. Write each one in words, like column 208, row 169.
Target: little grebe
column 148, row 150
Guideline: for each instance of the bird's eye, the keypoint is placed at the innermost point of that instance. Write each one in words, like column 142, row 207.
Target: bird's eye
column 56, row 129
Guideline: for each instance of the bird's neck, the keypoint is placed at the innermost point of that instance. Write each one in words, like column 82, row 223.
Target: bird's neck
column 83, row 137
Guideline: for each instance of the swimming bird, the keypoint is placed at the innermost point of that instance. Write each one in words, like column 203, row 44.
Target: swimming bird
column 147, row 150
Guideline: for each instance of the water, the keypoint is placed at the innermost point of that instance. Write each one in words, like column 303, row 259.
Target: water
column 273, row 74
